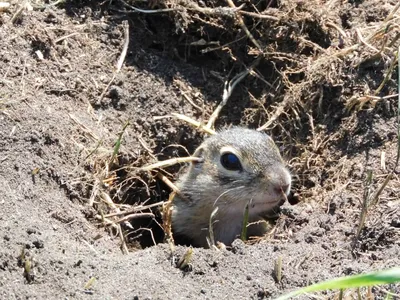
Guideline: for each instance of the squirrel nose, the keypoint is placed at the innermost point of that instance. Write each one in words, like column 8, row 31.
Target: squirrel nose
column 283, row 188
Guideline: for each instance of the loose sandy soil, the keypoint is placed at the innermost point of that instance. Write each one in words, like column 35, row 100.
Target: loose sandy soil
column 61, row 112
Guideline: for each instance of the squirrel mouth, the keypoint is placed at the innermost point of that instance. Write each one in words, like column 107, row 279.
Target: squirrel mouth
column 267, row 205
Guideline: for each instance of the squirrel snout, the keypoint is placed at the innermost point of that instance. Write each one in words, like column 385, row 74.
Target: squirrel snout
column 283, row 183
column 282, row 189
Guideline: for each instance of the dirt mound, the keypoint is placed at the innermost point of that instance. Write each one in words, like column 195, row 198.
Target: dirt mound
column 76, row 128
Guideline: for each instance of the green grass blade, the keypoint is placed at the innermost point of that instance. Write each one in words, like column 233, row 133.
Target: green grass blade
column 243, row 235
column 118, row 143
column 369, row 279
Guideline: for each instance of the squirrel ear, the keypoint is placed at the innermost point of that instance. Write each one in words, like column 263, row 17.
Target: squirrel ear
column 198, row 153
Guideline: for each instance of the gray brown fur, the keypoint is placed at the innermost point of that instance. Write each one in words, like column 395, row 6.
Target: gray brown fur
column 264, row 182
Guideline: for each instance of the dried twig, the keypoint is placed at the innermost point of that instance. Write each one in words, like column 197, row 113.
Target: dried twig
column 366, row 41
column 229, row 87
column 134, row 216
column 194, row 123
column 134, row 209
column 188, row 5
column 21, row 8
column 124, row 48
column 340, row 30
column 167, row 219
column 279, row 110
column 84, row 127
column 124, row 247
column 107, row 199
column 171, row 162
column 244, row 27
column 120, row 60
column 65, row 37
column 259, row 16
column 168, row 182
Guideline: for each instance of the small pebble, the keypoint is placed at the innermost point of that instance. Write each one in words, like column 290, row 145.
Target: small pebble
column 38, row 244
column 395, row 223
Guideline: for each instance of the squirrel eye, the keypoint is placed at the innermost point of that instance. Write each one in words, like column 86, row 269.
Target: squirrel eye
column 231, row 162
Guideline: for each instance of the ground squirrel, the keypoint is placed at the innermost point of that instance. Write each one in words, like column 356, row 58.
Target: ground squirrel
column 238, row 166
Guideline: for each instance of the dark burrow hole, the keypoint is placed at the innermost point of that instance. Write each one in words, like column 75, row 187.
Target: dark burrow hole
column 147, row 231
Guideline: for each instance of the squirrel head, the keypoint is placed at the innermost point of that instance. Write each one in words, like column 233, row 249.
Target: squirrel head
column 238, row 166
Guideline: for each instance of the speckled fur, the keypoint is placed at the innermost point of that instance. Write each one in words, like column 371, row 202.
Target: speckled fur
column 208, row 184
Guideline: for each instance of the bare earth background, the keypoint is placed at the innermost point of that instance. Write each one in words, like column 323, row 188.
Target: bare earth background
column 60, row 119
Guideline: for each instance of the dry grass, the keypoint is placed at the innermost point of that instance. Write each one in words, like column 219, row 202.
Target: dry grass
column 295, row 101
